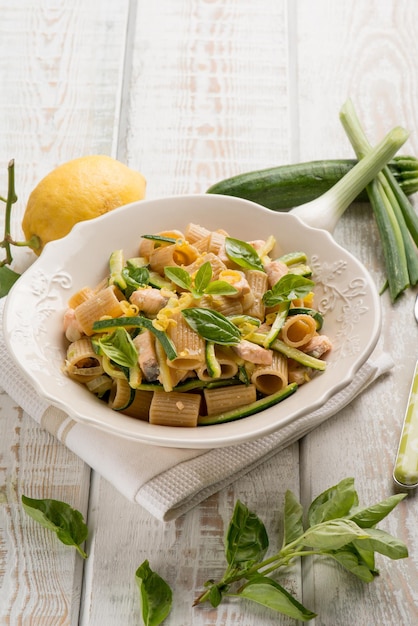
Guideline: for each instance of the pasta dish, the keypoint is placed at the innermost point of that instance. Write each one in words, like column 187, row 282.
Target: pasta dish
column 200, row 328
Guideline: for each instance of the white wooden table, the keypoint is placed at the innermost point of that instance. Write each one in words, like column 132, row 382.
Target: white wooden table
column 190, row 92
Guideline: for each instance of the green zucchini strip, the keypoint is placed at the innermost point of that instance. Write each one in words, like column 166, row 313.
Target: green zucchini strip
column 291, row 353
column 250, row 409
column 138, row 321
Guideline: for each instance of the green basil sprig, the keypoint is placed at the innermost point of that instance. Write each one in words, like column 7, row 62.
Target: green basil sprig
column 289, row 287
column 337, row 528
column 243, row 254
column 202, row 283
column 61, row 518
column 155, row 595
column 212, row 326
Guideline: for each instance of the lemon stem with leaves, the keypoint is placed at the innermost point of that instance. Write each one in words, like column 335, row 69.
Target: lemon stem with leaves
column 7, row 276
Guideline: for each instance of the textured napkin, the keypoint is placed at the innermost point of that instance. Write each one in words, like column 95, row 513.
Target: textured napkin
column 169, row 481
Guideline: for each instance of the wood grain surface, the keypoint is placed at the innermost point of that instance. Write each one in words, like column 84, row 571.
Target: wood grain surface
column 190, row 92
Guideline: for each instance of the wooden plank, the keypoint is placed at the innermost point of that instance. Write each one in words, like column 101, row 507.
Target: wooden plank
column 61, row 68
column 208, row 97
column 372, row 48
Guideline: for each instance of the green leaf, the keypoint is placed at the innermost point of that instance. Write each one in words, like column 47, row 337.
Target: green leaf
column 350, row 561
column 7, row 279
column 370, row 516
column 137, row 321
column 335, row 502
column 384, row 543
column 269, row 593
column 135, row 276
column 365, row 556
column 61, row 518
column 289, row 287
column 215, row 596
column 293, row 519
column 118, row 346
column 155, row 595
column 202, row 278
column 246, row 541
column 179, row 277
column 243, row 254
column 332, row 534
column 220, row 288
column 212, row 326
column 159, row 238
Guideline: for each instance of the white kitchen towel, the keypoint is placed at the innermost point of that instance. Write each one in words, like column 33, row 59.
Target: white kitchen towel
column 170, row 481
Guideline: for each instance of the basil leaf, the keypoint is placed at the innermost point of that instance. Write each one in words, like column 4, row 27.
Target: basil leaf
column 179, row 277
column 365, row 556
column 351, row 562
column 221, row 288
column 293, row 518
column 333, row 534
column 159, row 238
column 269, row 593
column 136, row 276
column 155, row 595
column 212, row 326
column 61, row 518
column 370, row 516
column 246, row 539
column 384, row 543
column 118, row 346
column 243, row 254
column 137, row 321
column 334, row 502
column 289, row 287
column 202, row 278
column 7, row 279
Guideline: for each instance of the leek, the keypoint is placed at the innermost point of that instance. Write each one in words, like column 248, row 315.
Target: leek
column 324, row 212
column 395, row 217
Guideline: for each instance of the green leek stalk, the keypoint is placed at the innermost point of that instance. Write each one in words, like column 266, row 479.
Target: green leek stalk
column 394, row 214
column 324, row 212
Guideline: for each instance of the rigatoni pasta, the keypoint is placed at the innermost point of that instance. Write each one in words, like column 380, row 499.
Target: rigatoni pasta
column 198, row 326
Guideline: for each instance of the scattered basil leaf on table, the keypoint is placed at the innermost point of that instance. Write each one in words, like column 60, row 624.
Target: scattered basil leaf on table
column 155, row 595
column 337, row 529
column 61, row 518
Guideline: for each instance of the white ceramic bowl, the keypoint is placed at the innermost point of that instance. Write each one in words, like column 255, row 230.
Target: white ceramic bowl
column 35, row 307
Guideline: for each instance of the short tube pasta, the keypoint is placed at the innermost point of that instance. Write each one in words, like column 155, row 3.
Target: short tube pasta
column 227, row 361
column 174, row 409
column 298, row 330
column 176, row 347
column 102, row 304
column 271, row 378
column 228, row 398
column 189, row 345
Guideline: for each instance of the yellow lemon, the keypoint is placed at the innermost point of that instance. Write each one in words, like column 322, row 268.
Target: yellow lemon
column 79, row 190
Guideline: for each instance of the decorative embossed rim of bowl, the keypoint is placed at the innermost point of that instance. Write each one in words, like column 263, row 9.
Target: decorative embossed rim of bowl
column 35, row 306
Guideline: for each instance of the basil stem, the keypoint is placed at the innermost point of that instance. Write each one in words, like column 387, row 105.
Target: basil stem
column 336, row 529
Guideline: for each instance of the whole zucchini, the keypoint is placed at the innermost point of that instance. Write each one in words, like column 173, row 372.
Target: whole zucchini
column 286, row 186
